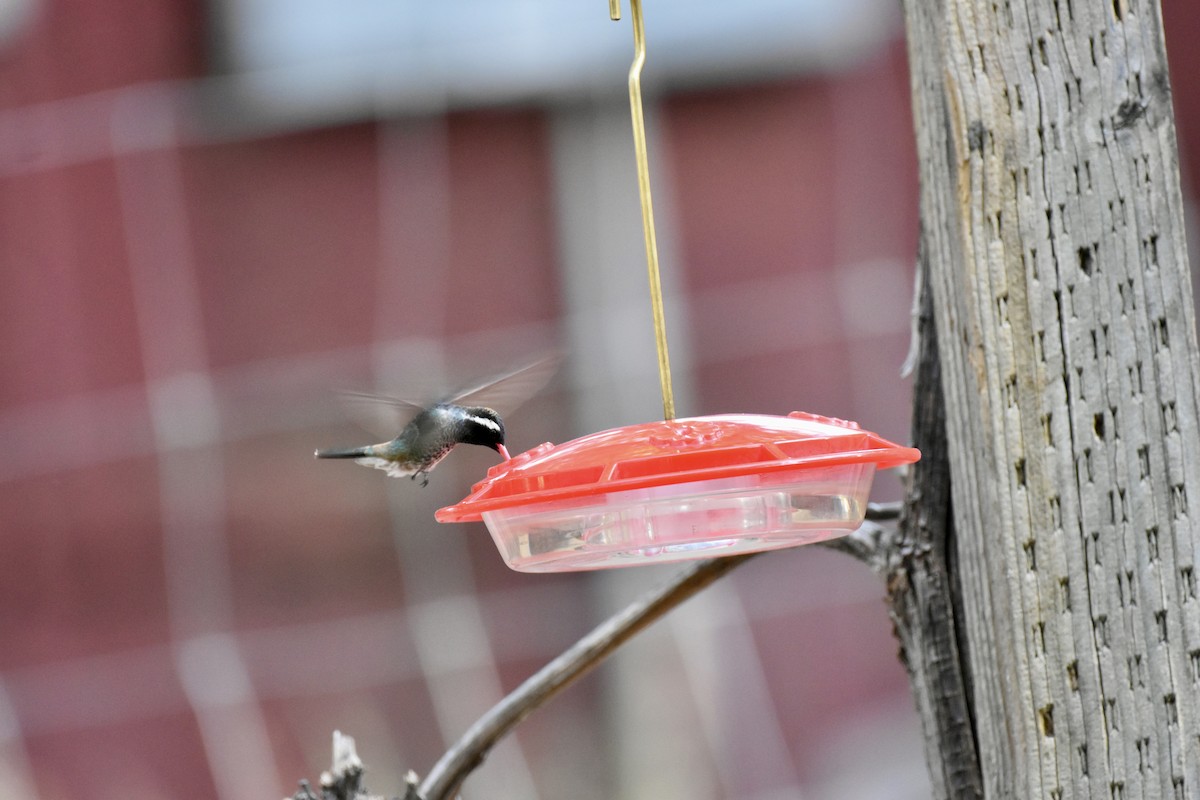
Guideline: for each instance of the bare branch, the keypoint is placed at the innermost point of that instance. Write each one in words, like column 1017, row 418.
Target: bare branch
column 344, row 780
column 469, row 751
column 882, row 512
column 870, row 543
column 466, row 754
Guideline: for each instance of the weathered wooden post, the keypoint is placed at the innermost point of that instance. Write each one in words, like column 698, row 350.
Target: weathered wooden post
column 1049, row 610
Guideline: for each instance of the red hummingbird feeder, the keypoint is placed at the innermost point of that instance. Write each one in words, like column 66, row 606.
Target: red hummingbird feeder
column 681, row 488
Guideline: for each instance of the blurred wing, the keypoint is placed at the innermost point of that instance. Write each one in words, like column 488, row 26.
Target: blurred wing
column 503, row 394
column 378, row 414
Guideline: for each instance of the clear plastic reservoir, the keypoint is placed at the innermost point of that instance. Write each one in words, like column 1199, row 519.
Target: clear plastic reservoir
column 682, row 521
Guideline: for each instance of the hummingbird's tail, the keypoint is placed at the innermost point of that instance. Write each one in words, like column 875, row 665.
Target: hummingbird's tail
column 353, row 452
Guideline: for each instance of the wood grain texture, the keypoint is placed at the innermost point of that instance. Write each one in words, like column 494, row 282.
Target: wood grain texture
column 1051, row 204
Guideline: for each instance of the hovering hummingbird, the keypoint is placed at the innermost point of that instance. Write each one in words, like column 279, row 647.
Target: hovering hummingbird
column 469, row 417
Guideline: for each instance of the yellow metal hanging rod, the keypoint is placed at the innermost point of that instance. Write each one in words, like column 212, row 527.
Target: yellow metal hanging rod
column 643, row 171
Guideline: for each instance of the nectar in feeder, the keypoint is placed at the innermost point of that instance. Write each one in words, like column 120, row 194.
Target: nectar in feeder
column 679, row 489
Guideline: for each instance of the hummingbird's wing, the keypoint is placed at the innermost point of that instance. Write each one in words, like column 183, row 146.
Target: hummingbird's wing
column 386, row 416
column 505, row 392
column 379, row 414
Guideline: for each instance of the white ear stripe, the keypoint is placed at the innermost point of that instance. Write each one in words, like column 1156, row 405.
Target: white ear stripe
column 485, row 422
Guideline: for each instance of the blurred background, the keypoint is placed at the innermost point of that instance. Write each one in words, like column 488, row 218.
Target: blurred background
column 215, row 215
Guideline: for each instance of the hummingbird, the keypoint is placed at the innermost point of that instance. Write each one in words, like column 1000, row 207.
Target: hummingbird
column 471, row 416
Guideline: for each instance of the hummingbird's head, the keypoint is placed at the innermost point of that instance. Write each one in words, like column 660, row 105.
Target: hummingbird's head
column 484, row 427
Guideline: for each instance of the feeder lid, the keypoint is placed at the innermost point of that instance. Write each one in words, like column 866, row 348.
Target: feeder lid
column 672, row 452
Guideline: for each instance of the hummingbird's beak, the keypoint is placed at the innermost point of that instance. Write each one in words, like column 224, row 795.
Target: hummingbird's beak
column 503, row 451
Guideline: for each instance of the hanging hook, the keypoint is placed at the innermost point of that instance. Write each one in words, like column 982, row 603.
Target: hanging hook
column 643, row 171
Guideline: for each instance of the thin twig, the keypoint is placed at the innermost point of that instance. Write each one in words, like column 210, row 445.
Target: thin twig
column 882, row 512
column 870, row 543
column 468, row 752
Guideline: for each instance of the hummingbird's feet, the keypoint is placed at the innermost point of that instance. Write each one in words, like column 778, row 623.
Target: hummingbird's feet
column 424, row 476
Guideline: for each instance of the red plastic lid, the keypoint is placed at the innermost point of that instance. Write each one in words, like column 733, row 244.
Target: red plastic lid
column 674, row 451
